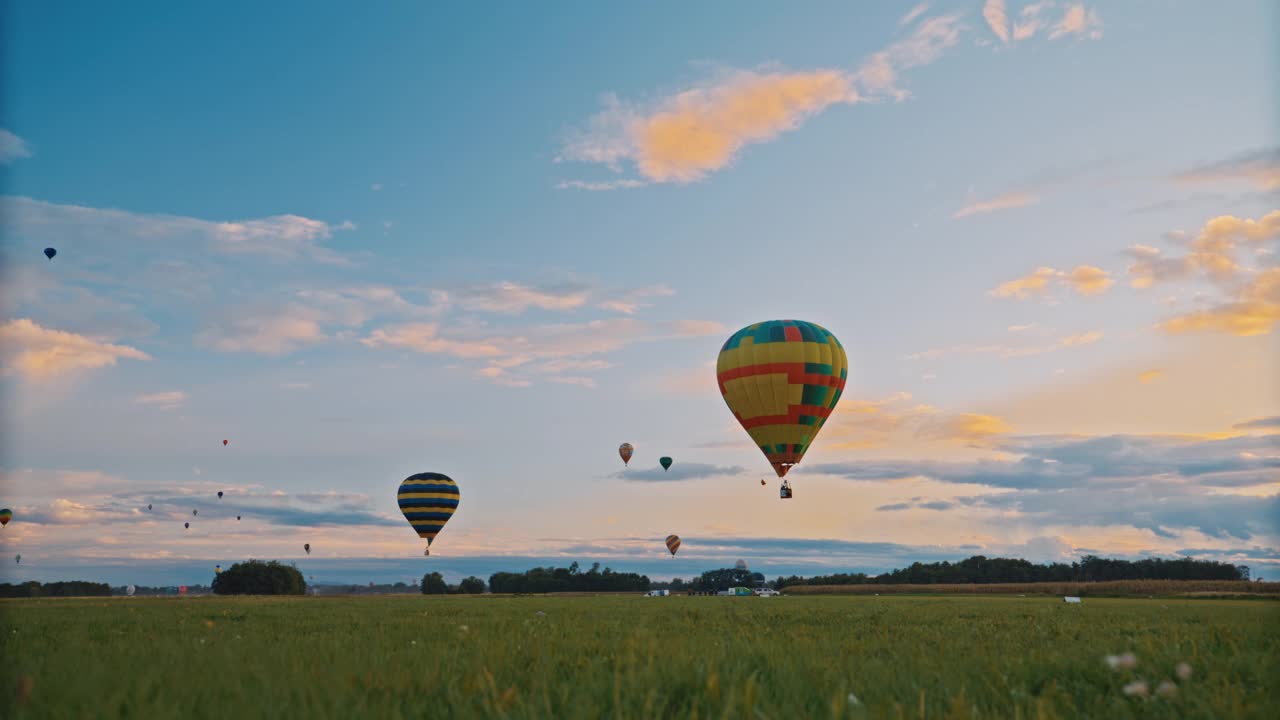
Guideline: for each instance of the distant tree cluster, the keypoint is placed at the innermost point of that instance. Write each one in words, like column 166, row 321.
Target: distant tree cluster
column 73, row 588
column 146, row 590
column 570, row 579
column 255, row 577
column 434, row 584
column 714, row 581
column 979, row 569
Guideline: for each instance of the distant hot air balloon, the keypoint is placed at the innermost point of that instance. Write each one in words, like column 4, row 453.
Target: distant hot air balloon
column 219, row 494
column 50, row 252
column 182, row 589
column 195, row 512
column 665, row 462
column 428, row 500
column 224, row 443
column 624, row 451
column 217, row 569
column 740, row 565
column 18, row 558
column 307, row 547
column 762, row 481
column 5, row 516
column 148, row 506
column 130, row 590
column 781, row 379
column 186, row 526
column 673, row 544
column 237, row 517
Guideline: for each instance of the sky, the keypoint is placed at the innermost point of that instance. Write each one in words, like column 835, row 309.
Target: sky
column 497, row 243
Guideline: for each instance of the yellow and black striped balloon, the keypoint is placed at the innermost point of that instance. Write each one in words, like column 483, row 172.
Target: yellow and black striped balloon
column 428, row 500
column 673, row 543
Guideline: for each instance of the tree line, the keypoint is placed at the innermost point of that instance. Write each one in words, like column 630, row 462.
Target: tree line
column 73, row 588
column 980, row 569
column 570, row 579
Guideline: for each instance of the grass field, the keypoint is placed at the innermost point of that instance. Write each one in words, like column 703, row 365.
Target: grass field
column 633, row 657
column 1113, row 588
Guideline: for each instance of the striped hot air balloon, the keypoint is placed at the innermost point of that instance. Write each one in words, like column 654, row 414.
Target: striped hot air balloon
column 624, row 451
column 5, row 516
column 673, row 544
column 428, row 500
column 781, row 379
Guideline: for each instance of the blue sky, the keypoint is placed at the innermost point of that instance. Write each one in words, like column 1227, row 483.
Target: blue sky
column 498, row 244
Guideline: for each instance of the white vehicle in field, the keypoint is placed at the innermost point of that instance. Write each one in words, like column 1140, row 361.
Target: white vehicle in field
column 658, row 593
column 767, row 592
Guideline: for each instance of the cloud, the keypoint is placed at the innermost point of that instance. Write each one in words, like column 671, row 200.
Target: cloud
column 282, row 237
column 1029, row 21
column 513, row 298
column 1146, row 377
column 629, row 302
column 1078, row 21
column 1254, row 311
column 1084, row 279
column 36, row 352
column 163, row 400
column 1260, row 168
column 1010, row 351
column 859, row 423
column 993, row 12
column 544, row 349
column 269, row 332
column 1259, row 423
column 1007, row 201
column 913, row 14
column 964, row 428
column 600, row 186
column 12, row 147
column 687, row 136
column 679, row 471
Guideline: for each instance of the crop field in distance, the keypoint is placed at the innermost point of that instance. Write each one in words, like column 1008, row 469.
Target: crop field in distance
column 891, row 656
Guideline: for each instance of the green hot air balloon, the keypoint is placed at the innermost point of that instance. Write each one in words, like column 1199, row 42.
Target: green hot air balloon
column 5, row 516
column 665, row 462
column 428, row 500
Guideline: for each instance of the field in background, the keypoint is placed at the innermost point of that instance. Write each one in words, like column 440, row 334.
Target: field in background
column 1114, row 588
column 632, row 657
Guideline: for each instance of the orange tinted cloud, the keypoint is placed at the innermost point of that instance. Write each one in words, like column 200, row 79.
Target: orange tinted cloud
column 1254, row 312
column 1089, row 280
column 1084, row 279
column 1007, row 201
column 37, row 352
column 1024, row 287
column 1147, row 377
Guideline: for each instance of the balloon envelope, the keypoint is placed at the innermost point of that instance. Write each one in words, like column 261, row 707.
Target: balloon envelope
column 5, row 516
column 50, row 252
column 130, row 590
column 224, row 442
column 186, row 525
column 307, row 547
column 665, row 462
column 219, row 494
column 673, row 543
column 781, row 379
column 428, row 500
column 624, row 451
column 740, row 565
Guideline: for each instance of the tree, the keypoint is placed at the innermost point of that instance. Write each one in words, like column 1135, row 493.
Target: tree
column 472, row 586
column 434, row 584
column 260, row 578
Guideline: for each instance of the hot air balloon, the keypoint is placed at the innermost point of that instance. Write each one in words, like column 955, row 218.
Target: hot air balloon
column 665, row 462
column 186, row 526
column 624, row 451
column 5, row 516
column 50, row 252
column 217, row 569
column 762, row 481
column 18, row 558
column 219, row 494
column 195, row 512
column 307, row 547
column 224, row 443
column 428, row 500
column 781, row 379
column 740, row 565
column 148, row 506
column 237, row 518
column 130, row 590
column 673, row 544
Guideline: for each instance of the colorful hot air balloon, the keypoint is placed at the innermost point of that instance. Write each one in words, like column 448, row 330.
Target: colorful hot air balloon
column 624, row 451
column 781, row 379
column 665, row 462
column 224, row 443
column 673, row 544
column 5, row 516
column 219, row 494
column 307, row 547
column 428, row 500
column 50, row 252
column 217, row 569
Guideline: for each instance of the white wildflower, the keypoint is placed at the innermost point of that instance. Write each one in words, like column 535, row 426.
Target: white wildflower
column 1166, row 689
column 1183, row 670
column 1125, row 661
column 1137, row 688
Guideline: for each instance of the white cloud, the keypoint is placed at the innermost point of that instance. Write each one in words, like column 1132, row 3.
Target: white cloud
column 1008, row 201
column 36, row 352
column 994, row 13
column 1078, row 20
column 12, row 147
column 163, row 400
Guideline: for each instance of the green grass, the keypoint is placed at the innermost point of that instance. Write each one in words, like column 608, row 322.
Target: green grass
column 631, row 657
